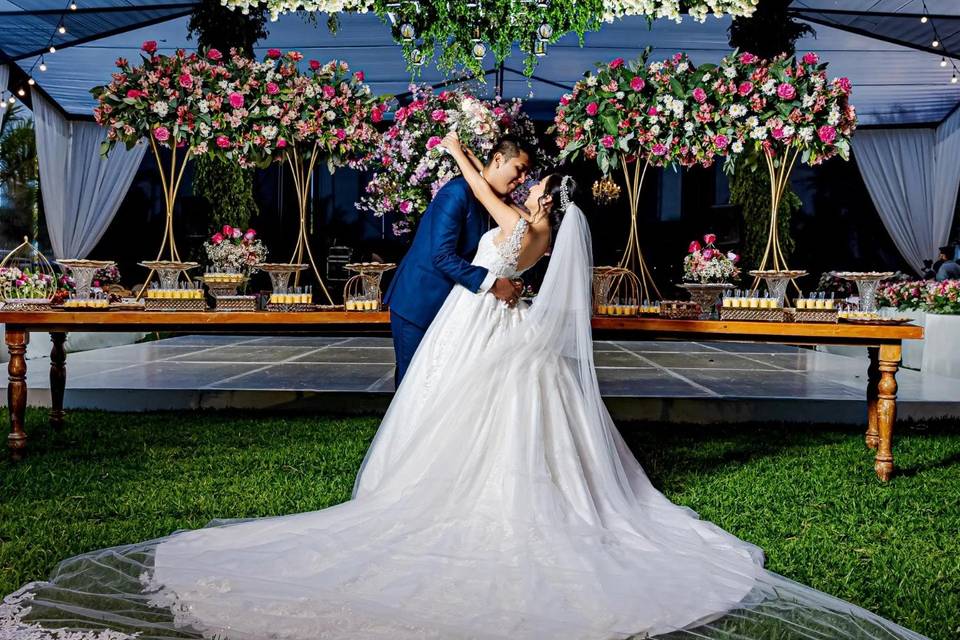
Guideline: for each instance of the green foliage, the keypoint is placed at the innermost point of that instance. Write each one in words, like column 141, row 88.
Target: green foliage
column 770, row 31
column 806, row 494
column 750, row 188
column 19, row 187
column 228, row 190
column 217, row 26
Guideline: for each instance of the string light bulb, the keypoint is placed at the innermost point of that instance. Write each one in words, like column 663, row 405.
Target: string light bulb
column 953, row 80
column 12, row 100
column 21, row 92
column 43, row 65
column 61, row 29
column 923, row 19
column 31, row 81
column 73, row 6
column 943, row 62
column 935, row 44
column 53, row 49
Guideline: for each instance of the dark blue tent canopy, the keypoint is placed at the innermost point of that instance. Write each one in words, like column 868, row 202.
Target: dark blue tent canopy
column 881, row 45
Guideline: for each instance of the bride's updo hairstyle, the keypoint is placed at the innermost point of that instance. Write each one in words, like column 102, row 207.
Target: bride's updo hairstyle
column 562, row 190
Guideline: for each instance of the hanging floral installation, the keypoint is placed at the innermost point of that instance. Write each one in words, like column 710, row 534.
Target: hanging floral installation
column 464, row 32
column 411, row 167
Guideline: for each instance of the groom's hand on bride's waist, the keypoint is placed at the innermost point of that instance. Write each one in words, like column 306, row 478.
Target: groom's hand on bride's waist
column 507, row 290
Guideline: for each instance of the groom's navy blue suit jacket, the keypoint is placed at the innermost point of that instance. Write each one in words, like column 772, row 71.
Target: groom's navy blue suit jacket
column 445, row 241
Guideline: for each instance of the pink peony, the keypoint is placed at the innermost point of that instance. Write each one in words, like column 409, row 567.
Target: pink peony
column 214, row 54
column 699, row 94
column 150, row 46
column 185, row 81
column 217, row 238
column 406, row 207
column 844, row 84
column 745, row 88
column 637, row 84
column 721, row 141
column 811, row 58
column 433, row 141
column 827, row 134
column 162, row 134
column 281, row 143
column 341, row 134
column 607, row 141
column 223, row 142
column 616, row 63
column 273, row 88
column 748, row 58
column 328, row 91
column 694, row 246
column 236, row 100
column 314, row 65
column 777, row 133
column 438, row 115
column 710, row 238
column 274, row 53
column 786, row 91
column 592, row 109
column 659, row 149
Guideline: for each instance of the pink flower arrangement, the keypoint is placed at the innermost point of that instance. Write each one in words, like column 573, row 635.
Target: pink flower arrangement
column 923, row 295
column 410, row 166
column 709, row 265
column 234, row 250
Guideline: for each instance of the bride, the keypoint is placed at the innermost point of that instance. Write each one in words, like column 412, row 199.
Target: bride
column 497, row 501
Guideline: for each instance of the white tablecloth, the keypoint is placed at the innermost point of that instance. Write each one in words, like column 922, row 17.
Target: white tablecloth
column 941, row 354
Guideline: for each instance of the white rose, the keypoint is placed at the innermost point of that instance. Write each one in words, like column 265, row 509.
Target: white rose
column 737, row 146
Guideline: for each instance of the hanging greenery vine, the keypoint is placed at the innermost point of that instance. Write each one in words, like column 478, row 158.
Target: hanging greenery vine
column 227, row 187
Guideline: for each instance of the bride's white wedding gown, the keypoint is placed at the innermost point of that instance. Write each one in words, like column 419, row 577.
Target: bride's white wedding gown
column 497, row 501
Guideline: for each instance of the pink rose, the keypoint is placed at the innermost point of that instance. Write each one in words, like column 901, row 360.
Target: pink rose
column 710, row 238
column 214, row 54
column 134, row 94
column 652, row 111
column 721, row 141
column 748, row 58
column 341, row 134
column 281, row 143
column 777, row 133
column 359, row 76
column 150, row 46
column 433, row 142
column 314, row 65
column 376, row 115
column 236, row 100
column 227, row 231
column 694, row 246
column 250, row 235
column 438, row 115
column 607, row 141
column 616, row 63
column 217, row 238
column 162, row 134
column 237, row 234
column 406, row 206
column 223, row 142
column 659, row 149
column 786, row 91
column 328, row 91
column 274, row 53
column 637, row 84
column 811, row 58
column 734, row 258
column 707, row 254
column 185, row 80
column 272, row 88
column 844, row 84
column 592, row 109
column 745, row 88
column 827, row 134
column 699, row 94
column 564, row 100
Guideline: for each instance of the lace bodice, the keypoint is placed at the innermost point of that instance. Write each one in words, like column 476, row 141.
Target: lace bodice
column 501, row 258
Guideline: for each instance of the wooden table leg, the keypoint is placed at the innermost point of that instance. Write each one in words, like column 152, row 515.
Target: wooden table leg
column 58, row 378
column 873, row 382
column 17, row 340
column 887, row 408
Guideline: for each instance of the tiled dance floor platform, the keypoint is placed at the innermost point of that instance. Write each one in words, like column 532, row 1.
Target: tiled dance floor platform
column 676, row 381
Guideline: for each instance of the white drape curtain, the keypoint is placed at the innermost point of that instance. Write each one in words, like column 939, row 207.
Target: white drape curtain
column 81, row 190
column 912, row 176
column 4, row 81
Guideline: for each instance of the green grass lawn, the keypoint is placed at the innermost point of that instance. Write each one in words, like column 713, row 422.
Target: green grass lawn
column 806, row 494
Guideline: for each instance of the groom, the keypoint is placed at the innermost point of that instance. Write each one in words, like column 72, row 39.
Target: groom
column 442, row 248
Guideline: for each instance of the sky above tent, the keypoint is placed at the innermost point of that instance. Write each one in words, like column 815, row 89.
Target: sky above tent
column 878, row 44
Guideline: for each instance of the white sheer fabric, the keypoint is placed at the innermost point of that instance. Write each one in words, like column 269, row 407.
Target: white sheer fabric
column 497, row 500
column 81, row 190
column 913, row 176
column 4, row 81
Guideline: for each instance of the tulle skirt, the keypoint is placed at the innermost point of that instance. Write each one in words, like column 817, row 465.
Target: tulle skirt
column 496, row 501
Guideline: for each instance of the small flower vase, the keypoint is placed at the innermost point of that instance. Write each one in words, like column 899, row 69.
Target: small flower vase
column 707, row 295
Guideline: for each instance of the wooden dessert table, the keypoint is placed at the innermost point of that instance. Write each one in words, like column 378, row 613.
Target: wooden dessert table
column 882, row 341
